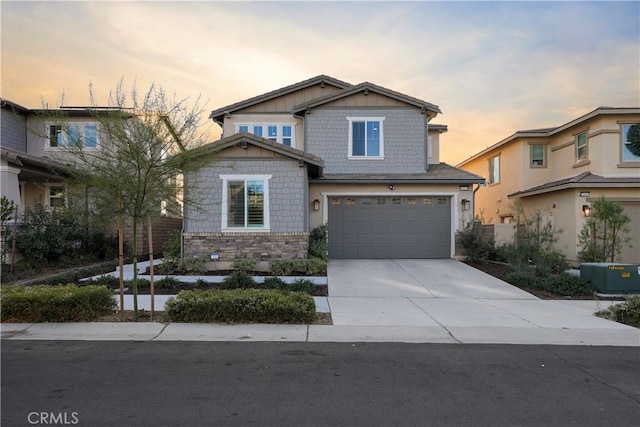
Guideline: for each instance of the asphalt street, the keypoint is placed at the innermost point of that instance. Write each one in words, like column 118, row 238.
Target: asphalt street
column 90, row 383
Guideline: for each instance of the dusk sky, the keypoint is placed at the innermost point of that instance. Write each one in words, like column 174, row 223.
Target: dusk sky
column 492, row 67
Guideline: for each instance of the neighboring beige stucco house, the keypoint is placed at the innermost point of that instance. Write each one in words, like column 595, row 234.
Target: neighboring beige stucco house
column 560, row 170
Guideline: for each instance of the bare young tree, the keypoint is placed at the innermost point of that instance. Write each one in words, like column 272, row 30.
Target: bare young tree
column 133, row 166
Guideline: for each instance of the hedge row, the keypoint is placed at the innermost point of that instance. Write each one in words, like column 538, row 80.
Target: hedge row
column 561, row 284
column 68, row 303
column 241, row 306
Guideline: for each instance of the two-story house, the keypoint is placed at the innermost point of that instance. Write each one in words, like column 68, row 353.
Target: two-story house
column 35, row 160
column 362, row 159
column 560, row 172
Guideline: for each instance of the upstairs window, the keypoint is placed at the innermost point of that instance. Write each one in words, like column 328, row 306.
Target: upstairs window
column 280, row 133
column 494, row 170
column 538, row 155
column 366, row 137
column 626, row 135
column 83, row 135
column 582, row 146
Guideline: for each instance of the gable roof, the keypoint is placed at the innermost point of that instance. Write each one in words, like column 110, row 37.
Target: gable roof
column 218, row 114
column 439, row 173
column 548, row 132
column 585, row 179
column 365, row 87
column 316, row 164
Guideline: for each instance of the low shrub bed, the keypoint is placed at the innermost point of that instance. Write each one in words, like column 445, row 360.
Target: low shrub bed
column 241, row 306
column 65, row 303
column 627, row 312
column 560, row 284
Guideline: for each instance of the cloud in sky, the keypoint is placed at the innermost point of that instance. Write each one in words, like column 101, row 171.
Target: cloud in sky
column 493, row 67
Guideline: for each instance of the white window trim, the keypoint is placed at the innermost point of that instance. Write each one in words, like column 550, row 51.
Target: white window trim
column 65, row 126
column 489, row 180
column 350, row 140
column 623, row 142
column 265, row 130
column 225, row 203
column 47, row 189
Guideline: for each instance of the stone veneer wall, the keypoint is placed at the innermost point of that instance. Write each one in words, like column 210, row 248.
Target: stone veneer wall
column 231, row 246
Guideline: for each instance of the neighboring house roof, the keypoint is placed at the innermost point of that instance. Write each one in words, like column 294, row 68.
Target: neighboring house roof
column 364, row 87
column 218, row 115
column 16, row 108
column 31, row 165
column 548, row 132
column 316, row 164
column 440, row 173
column 585, row 179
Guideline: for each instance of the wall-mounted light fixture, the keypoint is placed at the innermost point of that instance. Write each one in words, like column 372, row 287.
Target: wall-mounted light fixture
column 464, row 188
column 466, row 204
column 586, row 210
column 316, row 205
column 584, row 194
column 392, row 187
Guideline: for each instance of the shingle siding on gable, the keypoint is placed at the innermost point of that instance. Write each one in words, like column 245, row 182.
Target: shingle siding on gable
column 287, row 192
column 14, row 131
column 327, row 133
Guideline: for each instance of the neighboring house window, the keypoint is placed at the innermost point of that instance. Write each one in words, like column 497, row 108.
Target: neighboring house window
column 582, row 146
column 366, row 137
column 245, row 202
column 280, row 133
column 538, row 155
column 494, row 170
column 73, row 135
column 627, row 155
column 55, row 196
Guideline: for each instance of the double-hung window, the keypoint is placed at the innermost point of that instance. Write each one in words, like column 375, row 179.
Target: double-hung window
column 629, row 131
column 55, row 196
column 245, row 202
column 494, row 170
column 538, row 155
column 277, row 132
column 366, row 137
column 73, row 135
column 582, row 146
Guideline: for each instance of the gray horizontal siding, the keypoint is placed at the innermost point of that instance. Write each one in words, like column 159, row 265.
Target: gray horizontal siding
column 14, row 131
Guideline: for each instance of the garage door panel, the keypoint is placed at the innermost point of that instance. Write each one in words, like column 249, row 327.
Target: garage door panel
column 390, row 227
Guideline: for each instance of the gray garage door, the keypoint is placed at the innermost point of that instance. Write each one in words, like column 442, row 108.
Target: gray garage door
column 390, row 227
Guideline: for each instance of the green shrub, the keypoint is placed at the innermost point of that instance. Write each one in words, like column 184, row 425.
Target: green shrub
column 168, row 282
column 62, row 279
column 302, row 285
column 171, row 247
column 193, row 265
column 318, row 243
column 567, row 285
column 241, row 306
column 523, row 278
column 550, row 262
column 281, row 267
column 238, row 280
column 48, row 234
column 68, row 303
column 273, row 283
column 627, row 312
column 200, row 283
column 100, row 245
column 475, row 246
column 244, row 264
column 167, row 266
column 110, row 282
column 142, row 284
column 287, row 267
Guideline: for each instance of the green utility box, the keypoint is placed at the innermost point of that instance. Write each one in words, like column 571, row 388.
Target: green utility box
column 612, row 278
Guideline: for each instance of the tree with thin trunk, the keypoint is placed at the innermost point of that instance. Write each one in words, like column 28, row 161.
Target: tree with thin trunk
column 134, row 171
column 605, row 232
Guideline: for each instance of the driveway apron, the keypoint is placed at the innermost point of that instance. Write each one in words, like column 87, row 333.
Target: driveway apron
column 443, row 293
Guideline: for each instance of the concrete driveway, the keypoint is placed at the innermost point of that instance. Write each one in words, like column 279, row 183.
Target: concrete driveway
column 454, row 300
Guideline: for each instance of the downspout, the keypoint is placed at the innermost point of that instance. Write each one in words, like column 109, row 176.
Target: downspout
column 473, row 202
column 426, row 141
